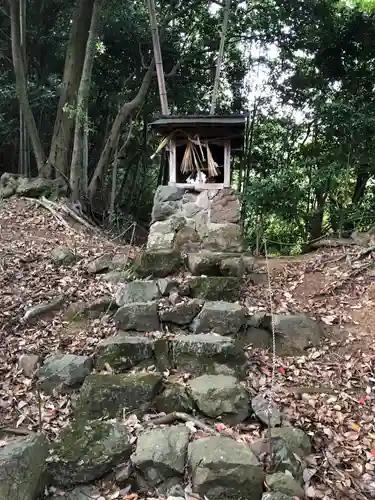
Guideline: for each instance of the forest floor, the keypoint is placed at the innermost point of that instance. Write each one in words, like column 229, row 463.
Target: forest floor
column 336, row 288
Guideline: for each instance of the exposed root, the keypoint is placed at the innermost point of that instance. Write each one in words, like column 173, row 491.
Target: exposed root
column 185, row 417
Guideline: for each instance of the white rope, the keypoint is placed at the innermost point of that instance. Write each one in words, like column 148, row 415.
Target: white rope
column 271, row 393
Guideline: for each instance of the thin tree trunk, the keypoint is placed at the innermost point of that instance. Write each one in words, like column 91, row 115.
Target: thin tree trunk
column 125, row 112
column 76, row 168
column 158, row 57
column 21, row 85
column 85, row 159
column 75, row 56
column 220, row 57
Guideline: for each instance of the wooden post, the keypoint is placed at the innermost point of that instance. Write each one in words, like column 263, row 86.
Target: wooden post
column 172, row 162
column 227, row 163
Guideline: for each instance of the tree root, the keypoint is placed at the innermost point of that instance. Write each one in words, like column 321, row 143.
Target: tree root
column 185, row 417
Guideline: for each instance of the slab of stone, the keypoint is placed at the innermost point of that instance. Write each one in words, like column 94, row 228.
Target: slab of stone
column 207, row 354
column 138, row 316
column 294, row 333
column 220, row 396
column 63, row 256
column 221, row 317
column 232, row 266
column 28, row 363
column 207, row 263
column 123, row 352
column 158, row 263
column 22, row 468
column 225, row 207
column 77, row 311
column 87, row 450
column 260, row 407
column 182, row 313
column 137, row 291
column 161, row 453
column 295, row 439
column 63, row 372
column 105, row 395
column 284, row 483
column 215, row 288
column 174, row 398
column 45, row 307
column 257, row 337
column 222, row 468
column 223, row 237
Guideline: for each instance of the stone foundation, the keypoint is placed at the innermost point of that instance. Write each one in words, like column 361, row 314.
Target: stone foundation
column 191, row 221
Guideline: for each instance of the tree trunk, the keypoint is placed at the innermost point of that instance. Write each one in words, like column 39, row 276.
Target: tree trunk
column 125, row 112
column 21, row 86
column 76, row 167
column 75, row 56
column 220, row 57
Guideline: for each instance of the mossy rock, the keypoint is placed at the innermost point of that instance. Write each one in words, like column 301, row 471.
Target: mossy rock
column 174, row 398
column 215, row 288
column 104, row 395
column 87, row 450
column 158, row 263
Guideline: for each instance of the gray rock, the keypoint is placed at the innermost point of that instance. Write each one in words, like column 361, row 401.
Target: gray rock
column 77, row 311
column 222, row 468
column 273, row 495
column 160, row 241
column 286, row 460
column 294, row 333
column 220, row 317
column 83, row 493
column 28, row 363
column 116, row 277
column 223, row 238
column 160, row 453
column 124, row 351
column 22, row 468
column 257, row 337
column 225, row 207
column 137, row 291
column 232, row 266
column 284, row 483
column 220, row 396
column 207, row 354
column 166, row 286
column 63, row 255
column 139, row 316
column 174, row 398
column 160, row 263
column 168, row 193
column 37, row 187
column 215, row 288
column 100, row 264
column 256, row 320
column 63, row 372
column 295, row 439
column 88, row 450
column 45, row 307
column 110, row 395
column 182, row 313
column 260, row 407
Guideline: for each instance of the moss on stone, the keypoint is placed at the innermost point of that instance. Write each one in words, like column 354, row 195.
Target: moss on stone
column 159, row 263
column 215, row 288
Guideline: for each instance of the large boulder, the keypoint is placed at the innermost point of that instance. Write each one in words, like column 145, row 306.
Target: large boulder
column 158, row 263
column 210, row 354
column 220, row 396
column 87, row 450
column 122, row 352
column 22, row 468
column 294, row 333
column 137, row 291
column 284, row 483
column 222, row 468
column 167, row 201
column 295, row 439
column 223, row 237
column 110, row 395
column 221, row 317
column 138, row 316
column 225, row 207
column 161, row 453
column 63, row 372
column 38, row 187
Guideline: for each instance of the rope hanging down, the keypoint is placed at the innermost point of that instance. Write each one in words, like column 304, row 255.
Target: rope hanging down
column 271, row 393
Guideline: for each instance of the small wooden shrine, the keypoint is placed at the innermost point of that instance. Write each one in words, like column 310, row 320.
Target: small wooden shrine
column 201, row 148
